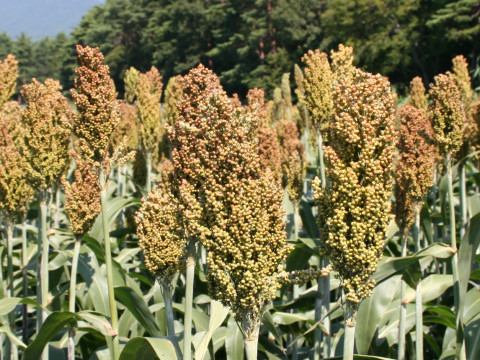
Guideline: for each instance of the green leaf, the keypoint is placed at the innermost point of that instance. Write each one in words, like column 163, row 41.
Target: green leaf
column 52, row 325
column 308, row 219
column 432, row 287
column 97, row 321
column 137, row 306
column 371, row 311
column 361, row 357
column 7, row 305
column 284, row 318
column 471, row 306
column 472, row 339
column 234, row 342
column 218, row 314
column 144, row 348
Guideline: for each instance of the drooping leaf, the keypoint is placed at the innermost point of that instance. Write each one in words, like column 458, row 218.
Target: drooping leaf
column 144, row 348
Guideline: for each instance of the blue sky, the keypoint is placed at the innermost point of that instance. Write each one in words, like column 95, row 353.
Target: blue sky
column 40, row 18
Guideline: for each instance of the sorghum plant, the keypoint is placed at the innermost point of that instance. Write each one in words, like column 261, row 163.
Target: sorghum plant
column 413, row 178
column 149, row 92
column 97, row 118
column 269, row 152
column 131, row 80
column 342, row 62
column 354, row 209
column 418, row 97
column 46, row 124
column 82, row 205
column 446, row 112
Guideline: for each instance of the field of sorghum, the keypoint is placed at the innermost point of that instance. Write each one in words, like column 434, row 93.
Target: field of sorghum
column 201, row 228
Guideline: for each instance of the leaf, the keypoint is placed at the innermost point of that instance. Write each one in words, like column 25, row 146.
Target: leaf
column 97, row 321
column 471, row 306
column 52, row 325
column 308, row 219
column 426, row 223
column 144, row 348
column 218, row 314
column 284, row 318
column 361, row 357
column 137, row 306
column 9, row 304
column 234, row 342
column 432, row 287
column 472, row 339
column 371, row 311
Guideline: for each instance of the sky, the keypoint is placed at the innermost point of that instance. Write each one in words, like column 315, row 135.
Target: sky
column 41, row 18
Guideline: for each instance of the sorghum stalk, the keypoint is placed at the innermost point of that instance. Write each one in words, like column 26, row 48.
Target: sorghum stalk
column 317, row 98
column 350, row 324
column 448, row 116
column 71, row 293
column 24, row 280
column 9, row 348
column 43, row 273
column 403, row 308
column 418, row 293
column 187, row 337
column 115, row 355
column 251, row 345
column 167, row 299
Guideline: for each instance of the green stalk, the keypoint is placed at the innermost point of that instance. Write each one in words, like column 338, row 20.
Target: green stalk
column 57, row 208
column 42, row 295
column 322, row 302
column 71, row 294
column 11, row 316
column 187, row 336
column 403, row 308
column 463, row 200
column 149, row 171
column 167, row 299
column 115, row 348
column 350, row 323
column 24, row 280
column 327, row 340
column 251, row 344
column 418, row 293
column 460, row 347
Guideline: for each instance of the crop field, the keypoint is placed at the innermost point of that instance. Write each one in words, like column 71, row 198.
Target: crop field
column 335, row 221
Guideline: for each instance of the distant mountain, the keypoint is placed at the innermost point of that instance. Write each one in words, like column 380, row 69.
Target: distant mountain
column 41, row 18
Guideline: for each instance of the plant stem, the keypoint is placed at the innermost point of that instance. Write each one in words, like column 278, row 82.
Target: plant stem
column 251, row 344
column 460, row 350
column 71, row 294
column 115, row 350
column 43, row 274
column 418, row 293
column 317, row 334
column 403, row 309
column 167, row 299
column 24, row 280
column 350, row 323
column 187, row 337
column 56, row 221
column 11, row 316
column 321, row 163
column 462, row 183
column 149, row 172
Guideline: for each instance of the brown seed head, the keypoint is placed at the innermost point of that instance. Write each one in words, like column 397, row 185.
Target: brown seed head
column 416, row 164
column 131, row 79
column 418, row 97
column 95, row 98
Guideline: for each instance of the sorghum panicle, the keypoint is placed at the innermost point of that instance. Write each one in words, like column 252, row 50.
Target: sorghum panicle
column 354, row 210
column 8, row 78
column 15, row 190
column 318, row 82
column 96, row 101
column 130, row 80
column 257, row 108
column 82, row 197
column 149, row 92
column 342, row 62
column 127, row 127
column 269, row 152
column 47, row 124
column 161, row 234
column 446, row 112
column 293, row 157
column 418, row 96
column 416, row 164
column 173, row 92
